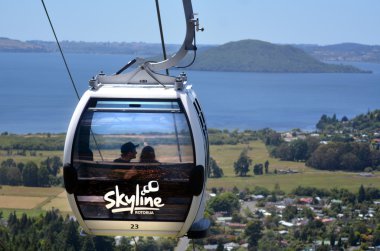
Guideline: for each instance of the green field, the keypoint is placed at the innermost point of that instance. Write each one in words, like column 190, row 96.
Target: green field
column 33, row 201
column 37, row 158
column 226, row 155
column 30, row 200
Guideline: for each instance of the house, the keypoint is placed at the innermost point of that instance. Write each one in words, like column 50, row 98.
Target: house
column 286, row 224
column 231, row 246
column 236, row 225
column 375, row 143
column 334, row 201
column 282, row 232
column 307, row 200
column 210, row 247
column 327, row 220
column 257, row 197
column 223, row 220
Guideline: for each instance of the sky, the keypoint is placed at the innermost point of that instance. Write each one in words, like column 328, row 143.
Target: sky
column 320, row 22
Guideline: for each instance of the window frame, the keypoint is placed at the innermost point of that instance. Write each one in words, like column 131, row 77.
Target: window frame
column 91, row 104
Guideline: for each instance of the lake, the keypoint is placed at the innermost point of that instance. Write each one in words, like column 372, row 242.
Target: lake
column 36, row 93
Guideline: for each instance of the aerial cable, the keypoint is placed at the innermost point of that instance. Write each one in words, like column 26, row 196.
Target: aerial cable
column 60, row 49
column 68, row 70
column 161, row 33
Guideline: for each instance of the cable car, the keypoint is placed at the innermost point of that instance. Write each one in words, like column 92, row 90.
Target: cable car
column 136, row 153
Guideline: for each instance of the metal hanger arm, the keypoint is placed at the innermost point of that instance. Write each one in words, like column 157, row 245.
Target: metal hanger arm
column 187, row 44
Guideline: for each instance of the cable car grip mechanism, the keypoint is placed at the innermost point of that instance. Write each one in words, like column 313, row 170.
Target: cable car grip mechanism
column 147, row 72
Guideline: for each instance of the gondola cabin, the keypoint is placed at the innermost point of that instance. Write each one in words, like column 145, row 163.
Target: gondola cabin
column 136, row 160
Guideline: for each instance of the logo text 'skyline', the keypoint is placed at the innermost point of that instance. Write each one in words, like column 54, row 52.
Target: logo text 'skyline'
column 138, row 203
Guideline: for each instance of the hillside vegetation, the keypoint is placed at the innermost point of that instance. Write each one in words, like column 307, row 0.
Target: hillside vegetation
column 259, row 56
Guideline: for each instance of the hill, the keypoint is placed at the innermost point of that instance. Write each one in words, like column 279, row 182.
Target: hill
column 344, row 52
column 368, row 123
column 139, row 49
column 12, row 45
column 260, row 56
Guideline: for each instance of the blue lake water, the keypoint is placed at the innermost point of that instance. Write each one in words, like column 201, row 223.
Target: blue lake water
column 36, row 94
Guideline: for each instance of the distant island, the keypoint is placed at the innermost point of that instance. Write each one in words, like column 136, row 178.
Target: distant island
column 260, row 56
column 243, row 56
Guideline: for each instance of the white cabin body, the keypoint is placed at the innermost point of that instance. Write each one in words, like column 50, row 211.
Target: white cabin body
column 164, row 197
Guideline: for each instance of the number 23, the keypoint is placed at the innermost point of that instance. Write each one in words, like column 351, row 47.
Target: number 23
column 134, row 226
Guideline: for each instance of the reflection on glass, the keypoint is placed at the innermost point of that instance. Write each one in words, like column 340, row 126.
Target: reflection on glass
column 133, row 190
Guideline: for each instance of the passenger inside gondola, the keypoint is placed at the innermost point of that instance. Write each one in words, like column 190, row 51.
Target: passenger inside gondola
column 128, row 152
column 151, row 169
column 148, row 155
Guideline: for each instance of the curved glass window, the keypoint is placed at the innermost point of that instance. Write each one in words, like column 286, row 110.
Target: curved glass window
column 134, row 160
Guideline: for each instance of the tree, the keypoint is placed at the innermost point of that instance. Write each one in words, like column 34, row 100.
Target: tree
column 361, row 194
column 43, row 177
column 312, row 145
column 228, row 202
column 52, row 164
column 241, row 166
column 269, row 242
column 5, row 168
column 353, row 237
column 258, row 169
column 167, row 243
column 30, row 174
column 14, row 176
column 103, row 243
column 272, row 137
column 3, row 175
column 70, row 237
column 125, row 245
column 349, row 161
column 147, row 244
column 266, row 166
column 340, row 243
column 299, row 149
column 326, row 122
column 220, row 247
column 332, row 238
column 88, row 244
column 289, row 212
column 216, row 171
column 344, row 119
column 376, row 236
column 8, row 163
column 283, row 152
column 254, row 232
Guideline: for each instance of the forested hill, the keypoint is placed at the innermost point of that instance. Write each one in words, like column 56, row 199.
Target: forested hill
column 260, row 56
column 134, row 48
column 244, row 55
column 367, row 123
column 11, row 45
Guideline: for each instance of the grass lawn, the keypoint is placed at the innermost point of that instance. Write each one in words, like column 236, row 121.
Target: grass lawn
column 288, row 182
column 37, row 158
column 32, row 200
column 226, row 155
column 20, row 202
column 31, row 191
column 59, row 202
